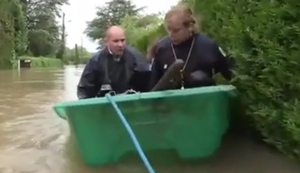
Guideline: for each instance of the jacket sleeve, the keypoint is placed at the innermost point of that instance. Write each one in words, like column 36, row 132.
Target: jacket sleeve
column 88, row 86
column 222, row 65
column 156, row 72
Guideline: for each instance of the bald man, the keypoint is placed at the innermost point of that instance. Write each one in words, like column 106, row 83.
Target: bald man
column 117, row 68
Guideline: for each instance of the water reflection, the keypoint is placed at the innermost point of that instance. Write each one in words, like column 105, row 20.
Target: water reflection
column 34, row 140
column 70, row 83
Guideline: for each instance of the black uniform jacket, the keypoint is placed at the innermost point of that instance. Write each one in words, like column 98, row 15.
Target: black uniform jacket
column 102, row 70
column 206, row 57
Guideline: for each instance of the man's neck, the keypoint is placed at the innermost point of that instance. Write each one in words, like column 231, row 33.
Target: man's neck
column 186, row 41
column 116, row 57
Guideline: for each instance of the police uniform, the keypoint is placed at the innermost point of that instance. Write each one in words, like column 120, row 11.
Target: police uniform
column 203, row 58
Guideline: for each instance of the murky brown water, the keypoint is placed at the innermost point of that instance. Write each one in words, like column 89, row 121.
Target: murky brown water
column 34, row 140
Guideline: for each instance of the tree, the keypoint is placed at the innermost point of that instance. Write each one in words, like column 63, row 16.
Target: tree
column 61, row 50
column 76, row 55
column 44, row 31
column 28, row 26
column 137, row 27
column 13, row 32
column 111, row 13
column 41, row 43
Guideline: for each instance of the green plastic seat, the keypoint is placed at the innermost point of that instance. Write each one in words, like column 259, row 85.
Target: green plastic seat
column 190, row 121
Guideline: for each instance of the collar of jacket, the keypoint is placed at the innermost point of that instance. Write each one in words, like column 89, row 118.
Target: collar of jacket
column 109, row 54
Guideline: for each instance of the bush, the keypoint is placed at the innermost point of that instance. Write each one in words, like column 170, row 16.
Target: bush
column 263, row 38
column 142, row 31
column 151, row 37
column 43, row 62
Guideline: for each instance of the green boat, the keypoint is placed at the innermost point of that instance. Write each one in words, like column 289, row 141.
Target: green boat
column 191, row 122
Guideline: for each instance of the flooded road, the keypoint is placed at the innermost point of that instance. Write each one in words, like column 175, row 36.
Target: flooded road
column 34, row 140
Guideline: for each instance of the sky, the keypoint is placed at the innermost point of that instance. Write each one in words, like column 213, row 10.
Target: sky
column 81, row 11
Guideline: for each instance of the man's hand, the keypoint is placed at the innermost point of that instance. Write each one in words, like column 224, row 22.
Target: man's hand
column 199, row 78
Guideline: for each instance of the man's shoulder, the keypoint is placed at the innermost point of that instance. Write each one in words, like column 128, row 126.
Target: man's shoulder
column 140, row 59
column 163, row 42
column 135, row 52
column 205, row 39
column 131, row 49
column 98, row 55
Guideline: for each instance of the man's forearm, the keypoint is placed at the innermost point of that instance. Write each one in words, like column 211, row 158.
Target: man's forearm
column 85, row 93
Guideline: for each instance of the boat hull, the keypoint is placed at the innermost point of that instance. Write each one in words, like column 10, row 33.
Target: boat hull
column 190, row 122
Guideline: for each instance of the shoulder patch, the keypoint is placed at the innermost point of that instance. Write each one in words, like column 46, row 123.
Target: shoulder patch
column 222, row 51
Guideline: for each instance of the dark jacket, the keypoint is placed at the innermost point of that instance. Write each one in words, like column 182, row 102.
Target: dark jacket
column 102, row 70
column 206, row 57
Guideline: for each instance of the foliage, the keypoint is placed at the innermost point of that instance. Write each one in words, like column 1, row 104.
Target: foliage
column 21, row 30
column 76, row 55
column 41, row 43
column 110, row 14
column 13, row 32
column 263, row 38
column 62, row 45
column 43, row 62
column 44, row 31
column 28, row 27
column 141, row 26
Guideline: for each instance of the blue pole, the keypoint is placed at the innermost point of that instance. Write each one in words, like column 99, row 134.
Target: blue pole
column 131, row 133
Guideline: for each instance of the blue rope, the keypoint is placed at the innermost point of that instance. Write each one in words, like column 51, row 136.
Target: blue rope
column 131, row 133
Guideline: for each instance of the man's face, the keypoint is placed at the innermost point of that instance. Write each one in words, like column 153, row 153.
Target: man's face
column 116, row 43
column 177, row 31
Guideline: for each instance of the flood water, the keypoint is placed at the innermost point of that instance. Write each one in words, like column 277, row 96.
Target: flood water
column 34, row 140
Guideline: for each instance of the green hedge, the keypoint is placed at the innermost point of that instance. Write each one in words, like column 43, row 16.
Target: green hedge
column 43, row 62
column 263, row 37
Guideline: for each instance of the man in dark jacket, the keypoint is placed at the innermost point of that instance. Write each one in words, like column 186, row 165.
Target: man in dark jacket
column 112, row 68
column 201, row 55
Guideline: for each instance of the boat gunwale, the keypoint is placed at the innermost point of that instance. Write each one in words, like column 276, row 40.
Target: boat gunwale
column 146, row 95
